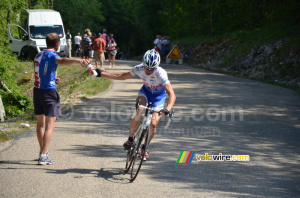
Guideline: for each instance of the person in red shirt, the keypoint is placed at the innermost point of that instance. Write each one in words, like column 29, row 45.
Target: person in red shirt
column 99, row 46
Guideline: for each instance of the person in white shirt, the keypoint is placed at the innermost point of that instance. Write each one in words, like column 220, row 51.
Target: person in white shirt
column 157, row 43
column 77, row 40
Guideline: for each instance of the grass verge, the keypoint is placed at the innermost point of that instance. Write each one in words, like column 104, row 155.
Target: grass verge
column 75, row 86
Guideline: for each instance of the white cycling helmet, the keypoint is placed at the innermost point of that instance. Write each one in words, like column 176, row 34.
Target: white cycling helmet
column 151, row 59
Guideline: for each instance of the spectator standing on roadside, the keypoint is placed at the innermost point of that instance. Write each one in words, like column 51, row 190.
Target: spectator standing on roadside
column 104, row 37
column 99, row 46
column 111, row 50
column 77, row 40
column 91, row 50
column 157, row 43
column 45, row 97
column 86, row 44
column 69, row 42
column 163, row 48
column 167, row 46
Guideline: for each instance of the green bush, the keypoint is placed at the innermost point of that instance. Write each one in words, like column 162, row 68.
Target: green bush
column 15, row 104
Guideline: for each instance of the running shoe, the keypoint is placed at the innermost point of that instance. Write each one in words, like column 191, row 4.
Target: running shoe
column 146, row 157
column 47, row 153
column 45, row 161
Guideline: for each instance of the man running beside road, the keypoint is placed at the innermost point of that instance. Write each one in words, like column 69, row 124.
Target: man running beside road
column 156, row 85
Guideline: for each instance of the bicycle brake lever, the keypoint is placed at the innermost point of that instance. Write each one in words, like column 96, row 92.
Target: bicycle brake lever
column 170, row 118
column 171, row 114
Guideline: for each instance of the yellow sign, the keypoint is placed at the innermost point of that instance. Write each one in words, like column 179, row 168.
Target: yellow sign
column 175, row 53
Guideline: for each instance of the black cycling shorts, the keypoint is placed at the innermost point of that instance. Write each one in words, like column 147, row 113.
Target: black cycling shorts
column 46, row 102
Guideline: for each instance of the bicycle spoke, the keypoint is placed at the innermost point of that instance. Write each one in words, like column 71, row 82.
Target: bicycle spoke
column 129, row 160
column 138, row 157
column 131, row 153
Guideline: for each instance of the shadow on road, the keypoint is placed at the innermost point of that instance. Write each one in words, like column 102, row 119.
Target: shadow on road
column 115, row 175
column 111, row 175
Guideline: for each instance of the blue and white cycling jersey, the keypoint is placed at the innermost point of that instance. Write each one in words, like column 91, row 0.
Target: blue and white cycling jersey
column 45, row 69
column 153, row 89
column 155, row 82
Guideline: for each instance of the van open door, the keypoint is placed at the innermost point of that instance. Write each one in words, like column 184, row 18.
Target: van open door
column 19, row 41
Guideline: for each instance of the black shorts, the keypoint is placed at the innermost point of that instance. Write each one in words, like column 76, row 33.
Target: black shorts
column 85, row 52
column 46, row 102
column 77, row 47
column 112, row 52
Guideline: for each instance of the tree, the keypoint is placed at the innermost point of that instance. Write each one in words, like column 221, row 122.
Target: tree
column 78, row 15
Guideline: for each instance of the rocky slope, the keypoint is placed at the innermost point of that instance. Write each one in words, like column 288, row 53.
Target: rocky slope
column 267, row 62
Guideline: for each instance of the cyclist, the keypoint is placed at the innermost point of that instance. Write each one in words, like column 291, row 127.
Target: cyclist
column 156, row 85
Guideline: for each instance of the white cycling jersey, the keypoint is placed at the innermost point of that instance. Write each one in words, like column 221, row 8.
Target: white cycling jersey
column 155, row 82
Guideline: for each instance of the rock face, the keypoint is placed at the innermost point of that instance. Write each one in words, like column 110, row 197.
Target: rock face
column 264, row 62
column 2, row 111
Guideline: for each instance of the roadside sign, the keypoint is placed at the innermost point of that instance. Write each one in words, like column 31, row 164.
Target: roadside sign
column 174, row 55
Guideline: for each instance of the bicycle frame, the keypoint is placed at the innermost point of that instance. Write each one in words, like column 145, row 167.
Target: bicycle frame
column 146, row 123
column 142, row 135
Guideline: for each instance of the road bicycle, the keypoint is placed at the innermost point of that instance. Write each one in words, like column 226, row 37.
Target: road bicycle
column 135, row 157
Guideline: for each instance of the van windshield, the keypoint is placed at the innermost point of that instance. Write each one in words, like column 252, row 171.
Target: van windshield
column 40, row 32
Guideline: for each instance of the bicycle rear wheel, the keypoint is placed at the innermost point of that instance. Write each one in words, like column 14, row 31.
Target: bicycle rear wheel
column 137, row 159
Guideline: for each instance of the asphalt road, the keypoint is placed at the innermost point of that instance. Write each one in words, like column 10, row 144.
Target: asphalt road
column 215, row 114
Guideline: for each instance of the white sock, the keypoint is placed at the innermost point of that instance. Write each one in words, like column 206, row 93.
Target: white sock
column 43, row 155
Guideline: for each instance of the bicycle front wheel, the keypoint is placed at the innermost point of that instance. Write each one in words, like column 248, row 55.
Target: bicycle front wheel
column 129, row 160
column 132, row 151
column 138, row 157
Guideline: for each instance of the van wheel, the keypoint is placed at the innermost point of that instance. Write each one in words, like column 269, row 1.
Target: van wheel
column 32, row 52
column 24, row 54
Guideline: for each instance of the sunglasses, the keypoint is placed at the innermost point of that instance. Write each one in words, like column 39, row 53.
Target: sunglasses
column 148, row 69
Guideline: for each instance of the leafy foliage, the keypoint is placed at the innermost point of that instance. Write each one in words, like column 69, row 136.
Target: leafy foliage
column 78, row 15
column 15, row 104
column 135, row 23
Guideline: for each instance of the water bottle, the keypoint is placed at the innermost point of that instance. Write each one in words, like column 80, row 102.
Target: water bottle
column 25, row 125
column 92, row 70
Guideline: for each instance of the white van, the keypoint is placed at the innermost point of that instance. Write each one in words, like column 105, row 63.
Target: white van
column 29, row 38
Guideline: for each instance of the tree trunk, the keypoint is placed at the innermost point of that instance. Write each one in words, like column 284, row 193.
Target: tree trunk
column 2, row 111
column 4, row 86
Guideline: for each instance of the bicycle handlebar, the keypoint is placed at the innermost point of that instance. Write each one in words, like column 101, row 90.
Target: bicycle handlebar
column 154, row 111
